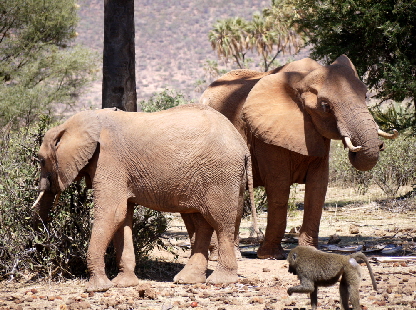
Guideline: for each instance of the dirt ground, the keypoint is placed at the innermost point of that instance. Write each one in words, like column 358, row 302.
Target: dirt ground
column 382, row 229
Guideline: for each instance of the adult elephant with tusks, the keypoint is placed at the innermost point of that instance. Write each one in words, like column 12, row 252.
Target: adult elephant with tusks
column 288, row 117
column 188, row 159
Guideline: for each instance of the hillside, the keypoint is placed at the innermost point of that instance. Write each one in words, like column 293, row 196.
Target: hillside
column 171, row 41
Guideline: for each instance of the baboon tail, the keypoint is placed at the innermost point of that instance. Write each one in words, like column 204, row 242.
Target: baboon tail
column 250, row 188
column 360, row 255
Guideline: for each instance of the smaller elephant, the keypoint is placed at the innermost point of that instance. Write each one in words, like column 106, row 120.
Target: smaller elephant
column 188, row 159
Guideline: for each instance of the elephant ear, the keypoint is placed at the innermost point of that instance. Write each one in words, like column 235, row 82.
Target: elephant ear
column 305, row 64
column 74, row 143
column 346, row 62
column 276, row 115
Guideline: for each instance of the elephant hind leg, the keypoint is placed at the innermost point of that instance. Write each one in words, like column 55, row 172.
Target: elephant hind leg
column 226, row 271
column 227, row 230
column 195, row 269
column 213, row 248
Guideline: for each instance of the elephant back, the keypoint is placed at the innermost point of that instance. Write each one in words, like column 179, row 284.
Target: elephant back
column 228, row 94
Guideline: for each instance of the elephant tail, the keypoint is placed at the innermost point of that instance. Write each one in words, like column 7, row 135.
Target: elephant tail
column 250, row 188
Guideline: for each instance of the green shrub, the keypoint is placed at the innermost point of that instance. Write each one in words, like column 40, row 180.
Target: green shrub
column 396, row 116
column 59, row 249
column 342, row 173
column 396, row 167
column 260, row 201
column 162, row 101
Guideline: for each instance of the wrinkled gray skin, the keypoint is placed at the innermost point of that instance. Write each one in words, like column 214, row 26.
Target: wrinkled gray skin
column 287, row 117
column 189, row 159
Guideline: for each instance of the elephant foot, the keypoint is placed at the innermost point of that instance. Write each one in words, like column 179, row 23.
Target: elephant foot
column 125, row 279
column 306, row 239
column 98, row 284
column 190, row 275
column 268, row 252
column 222, row 277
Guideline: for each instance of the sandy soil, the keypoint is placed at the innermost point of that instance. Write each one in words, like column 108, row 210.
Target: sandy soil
column 383, row 229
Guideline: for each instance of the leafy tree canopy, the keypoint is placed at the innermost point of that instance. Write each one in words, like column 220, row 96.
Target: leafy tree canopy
column 377, row 35
column 269, row 33
column 38, row 65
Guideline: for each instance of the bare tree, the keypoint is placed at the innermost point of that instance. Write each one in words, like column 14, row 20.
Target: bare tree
column 119, row 79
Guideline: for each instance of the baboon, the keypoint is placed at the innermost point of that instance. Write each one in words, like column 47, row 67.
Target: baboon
column 316, row 268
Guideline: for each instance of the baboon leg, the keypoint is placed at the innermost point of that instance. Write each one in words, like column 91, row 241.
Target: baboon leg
column 354, row 297
column 343, row 291
column 306, row 286
column 314, row 298
column 351, row 280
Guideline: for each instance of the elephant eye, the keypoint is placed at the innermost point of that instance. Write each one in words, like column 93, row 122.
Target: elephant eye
column 325, row 106
column 40, row 160
column 58, row 140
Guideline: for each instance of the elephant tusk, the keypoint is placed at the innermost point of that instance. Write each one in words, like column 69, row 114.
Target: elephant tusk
column 386, row 135
column 351, row 146
column 55, row 202
column 38, row 199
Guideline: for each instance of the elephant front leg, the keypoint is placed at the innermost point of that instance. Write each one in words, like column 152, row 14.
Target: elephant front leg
column 195, row 269
column 123, row 243
column 315, row 191
column 277, row 201
column 106, row 222
column 99, row 242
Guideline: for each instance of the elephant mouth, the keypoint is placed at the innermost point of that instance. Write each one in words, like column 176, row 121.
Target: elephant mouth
column 41, row 194
column 364, row 157
column 348, row 143
column 45, row 201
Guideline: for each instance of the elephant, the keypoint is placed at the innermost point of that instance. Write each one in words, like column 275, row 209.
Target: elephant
column 288, row 117
column 188, row 159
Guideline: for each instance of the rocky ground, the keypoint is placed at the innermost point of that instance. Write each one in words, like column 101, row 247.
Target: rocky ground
column 385, row 231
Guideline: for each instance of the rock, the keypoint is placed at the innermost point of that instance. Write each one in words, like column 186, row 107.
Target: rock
column 151, row 293
column 167, row 306
column 79, row 305
column 334, row 239
column 256, row 299
column 354, row 229
column 269, row 306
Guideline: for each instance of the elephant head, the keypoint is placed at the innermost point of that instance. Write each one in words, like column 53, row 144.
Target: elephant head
column 65, row 151
column 301, row 110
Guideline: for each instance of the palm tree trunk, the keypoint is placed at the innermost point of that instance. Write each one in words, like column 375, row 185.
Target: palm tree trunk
column 119, row 79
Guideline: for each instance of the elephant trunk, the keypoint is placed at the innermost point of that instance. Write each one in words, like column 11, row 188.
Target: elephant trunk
column 47, row 199
column 367, row 157
column 361, row 137
column 42, row 206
